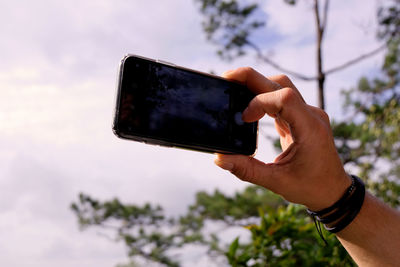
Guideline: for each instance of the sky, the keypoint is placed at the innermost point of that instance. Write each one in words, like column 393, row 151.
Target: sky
column 58, row 71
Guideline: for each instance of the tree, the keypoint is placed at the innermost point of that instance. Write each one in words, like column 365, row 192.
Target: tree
column 279, row 233
column 369, row 138
column 229, row 24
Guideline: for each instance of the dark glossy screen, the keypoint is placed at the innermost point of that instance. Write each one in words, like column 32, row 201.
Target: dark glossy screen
column 184, row 108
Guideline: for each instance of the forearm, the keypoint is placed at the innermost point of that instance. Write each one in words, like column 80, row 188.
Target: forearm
column 373, row 238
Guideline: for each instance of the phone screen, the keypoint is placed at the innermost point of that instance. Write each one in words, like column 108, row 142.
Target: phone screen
column 168, row 105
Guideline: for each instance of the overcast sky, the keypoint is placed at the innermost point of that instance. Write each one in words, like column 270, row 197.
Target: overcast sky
column 58, row 68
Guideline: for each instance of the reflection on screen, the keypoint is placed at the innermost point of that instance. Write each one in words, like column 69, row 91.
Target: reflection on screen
column 179, row 106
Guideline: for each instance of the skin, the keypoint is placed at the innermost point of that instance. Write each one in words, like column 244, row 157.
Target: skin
column 309, row 170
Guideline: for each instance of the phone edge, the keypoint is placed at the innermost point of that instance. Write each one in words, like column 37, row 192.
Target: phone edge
column 155, row 141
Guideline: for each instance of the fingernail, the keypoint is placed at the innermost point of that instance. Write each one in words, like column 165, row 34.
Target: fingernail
column 224, row 165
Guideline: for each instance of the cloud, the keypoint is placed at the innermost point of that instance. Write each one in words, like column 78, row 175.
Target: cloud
column 57, row 77
column 348, row 35
column 35, row 220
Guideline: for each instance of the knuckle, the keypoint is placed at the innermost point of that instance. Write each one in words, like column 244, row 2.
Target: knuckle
column 324, row 116
column 246, row 71
column 288, row 96
column 320, row 114
column 283, row 80
column 322, row 130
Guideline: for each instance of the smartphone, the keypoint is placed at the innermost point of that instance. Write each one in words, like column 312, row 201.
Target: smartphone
column 163, row 104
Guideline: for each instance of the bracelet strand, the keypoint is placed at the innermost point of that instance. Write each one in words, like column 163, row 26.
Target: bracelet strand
column 336, row 217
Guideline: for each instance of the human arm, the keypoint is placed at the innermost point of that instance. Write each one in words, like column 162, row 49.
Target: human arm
column 309, row 170
column 373, row 238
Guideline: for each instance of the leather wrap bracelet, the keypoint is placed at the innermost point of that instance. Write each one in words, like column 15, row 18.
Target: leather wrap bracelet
column 336, row 217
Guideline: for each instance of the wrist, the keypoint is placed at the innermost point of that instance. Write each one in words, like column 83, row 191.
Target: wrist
column 337, row 216
column 332, row 194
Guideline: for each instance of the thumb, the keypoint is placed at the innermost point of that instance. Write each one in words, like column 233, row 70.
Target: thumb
column 248, row 169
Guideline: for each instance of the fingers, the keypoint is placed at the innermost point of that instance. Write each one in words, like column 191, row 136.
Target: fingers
column 272, row 102
column 306, row 138
column 284, row 81
column 248, row 169
column 284, row 103
column 255, row 81
column 258, row 83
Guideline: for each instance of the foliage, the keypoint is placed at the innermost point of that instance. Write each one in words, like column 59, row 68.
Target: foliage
column 279, row 233
column 229, row 25
column 369, row 138
column 286, row 237
column 241, row 206
column 139, row 227
column 148, row 234
column 389, row 20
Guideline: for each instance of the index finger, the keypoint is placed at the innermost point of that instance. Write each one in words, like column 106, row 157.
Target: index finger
column 284, row 103
column 258, row 83
column 284, row 81
column 254, row 80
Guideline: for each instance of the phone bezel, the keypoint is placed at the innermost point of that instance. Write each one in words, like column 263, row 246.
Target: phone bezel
column 160, row 141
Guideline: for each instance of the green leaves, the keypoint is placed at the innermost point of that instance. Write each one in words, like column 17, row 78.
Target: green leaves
column 232, row 250
column 279, row 233
column 287, row 237
column 370, row 137
column 229, row 25
column 143, row 229
column 93, row 212
column 389, row 20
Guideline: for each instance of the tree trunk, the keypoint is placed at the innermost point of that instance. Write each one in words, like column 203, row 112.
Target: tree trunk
column 321, row 97
column 321, row 25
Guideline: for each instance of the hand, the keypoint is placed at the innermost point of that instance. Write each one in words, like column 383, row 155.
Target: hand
column 309, row 170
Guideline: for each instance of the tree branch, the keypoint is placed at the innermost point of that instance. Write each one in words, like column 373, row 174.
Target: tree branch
column 321, row 27
column 325, row 16
column 356, row 60
column 313, row 78
column 277, row 66
column 320, row 37
column 317, row 17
